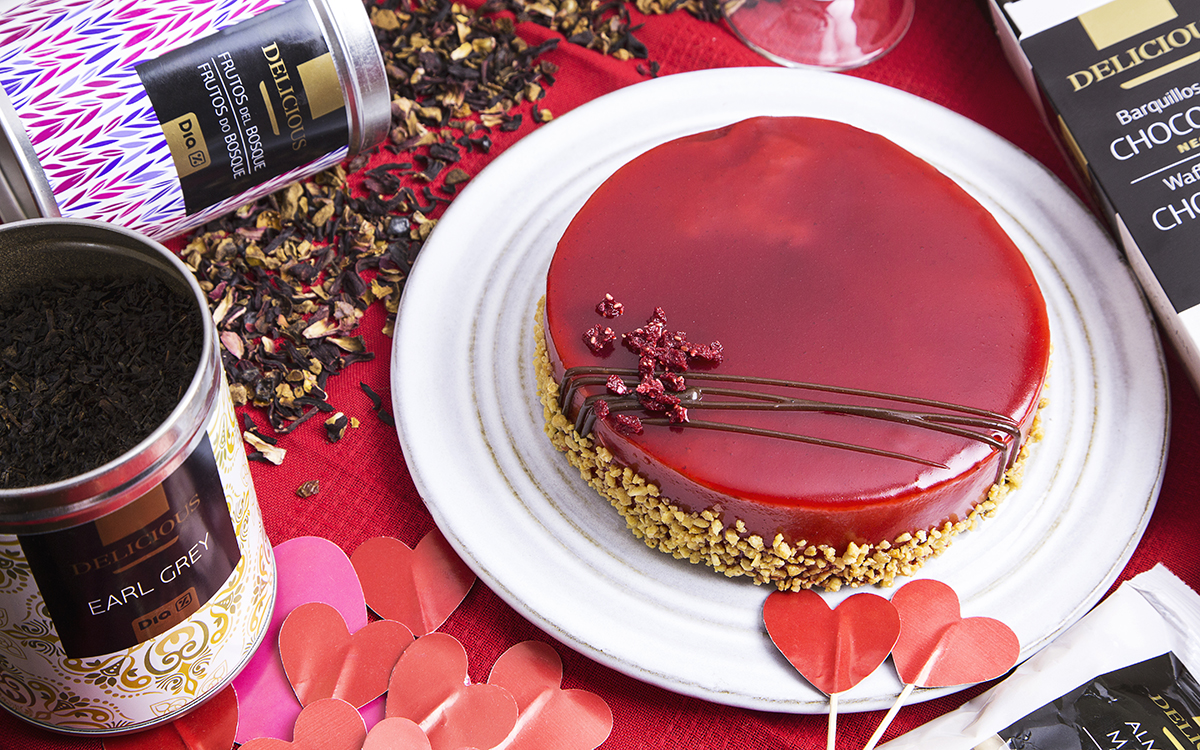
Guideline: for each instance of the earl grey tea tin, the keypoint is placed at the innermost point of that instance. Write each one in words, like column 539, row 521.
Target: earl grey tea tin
column 132, row 590
column 159, row 115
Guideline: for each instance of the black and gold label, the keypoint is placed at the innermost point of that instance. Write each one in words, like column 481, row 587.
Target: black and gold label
column 1124, row 80
column 247, row 104
column 140, row 570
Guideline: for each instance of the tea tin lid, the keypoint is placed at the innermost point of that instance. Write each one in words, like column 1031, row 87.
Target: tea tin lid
column 368, row 97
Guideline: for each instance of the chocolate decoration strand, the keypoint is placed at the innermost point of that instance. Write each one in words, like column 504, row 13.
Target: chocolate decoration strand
column 954, row 424
column 597, row 375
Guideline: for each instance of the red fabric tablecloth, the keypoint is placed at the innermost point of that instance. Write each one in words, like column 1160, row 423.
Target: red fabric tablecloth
column 950, row 56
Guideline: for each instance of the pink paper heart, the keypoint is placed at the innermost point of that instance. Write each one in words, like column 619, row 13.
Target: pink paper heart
column 429, row 686
column 938, row 648
column 323, row 660
column 549, row 716
column 309, row 569
column 327, row 724
column 834, row 649
column 211, row 726
column 396, row 734
column 419, row 587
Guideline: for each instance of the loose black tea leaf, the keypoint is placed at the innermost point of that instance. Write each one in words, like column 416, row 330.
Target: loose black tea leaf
column 88, row 369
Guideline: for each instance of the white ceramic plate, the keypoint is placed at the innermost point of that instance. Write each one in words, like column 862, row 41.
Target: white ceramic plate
column 471, row 426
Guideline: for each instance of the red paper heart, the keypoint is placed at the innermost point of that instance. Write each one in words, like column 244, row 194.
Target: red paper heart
column 549, row 716
column 938, row 648
column 396, row 734
column 323, row 660
column 328, row 724
column 211, row 726
column 834, row 649
column 418, row 587
column 430, row 687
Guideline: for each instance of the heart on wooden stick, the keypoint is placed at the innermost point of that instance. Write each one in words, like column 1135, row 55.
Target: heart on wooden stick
column 834, row 648
column 939, row 648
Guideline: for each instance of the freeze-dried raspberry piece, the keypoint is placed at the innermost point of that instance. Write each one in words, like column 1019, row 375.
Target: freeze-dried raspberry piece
column 598, row 338
column 674, row 359
column 638, row 340
column 627, row 424
column 664, row 403
column 663, row 357
column 616, row 386
column 653, row 396
column 609, row 307
column 713, row 352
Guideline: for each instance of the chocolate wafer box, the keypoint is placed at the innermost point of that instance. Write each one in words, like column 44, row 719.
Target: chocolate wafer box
column 1119, row 84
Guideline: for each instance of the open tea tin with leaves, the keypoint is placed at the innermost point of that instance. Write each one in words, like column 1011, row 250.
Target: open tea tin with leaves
column 136, row 578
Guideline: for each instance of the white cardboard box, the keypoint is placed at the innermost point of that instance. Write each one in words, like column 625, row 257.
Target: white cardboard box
column 1119, row 85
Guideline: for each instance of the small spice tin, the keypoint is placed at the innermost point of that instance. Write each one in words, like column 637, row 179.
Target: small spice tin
column 131, row 592
column 159, row 115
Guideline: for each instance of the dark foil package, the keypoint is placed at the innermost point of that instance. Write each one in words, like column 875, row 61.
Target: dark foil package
column 1118, row 84
column 1143, row 705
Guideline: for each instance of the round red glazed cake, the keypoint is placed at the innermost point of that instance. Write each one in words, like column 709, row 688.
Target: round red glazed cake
column 791, row 350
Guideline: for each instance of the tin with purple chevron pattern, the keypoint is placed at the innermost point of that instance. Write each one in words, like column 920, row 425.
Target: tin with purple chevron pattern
column 160, row 115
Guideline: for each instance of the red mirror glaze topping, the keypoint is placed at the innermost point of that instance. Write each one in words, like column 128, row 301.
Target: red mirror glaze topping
column 812, row 251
